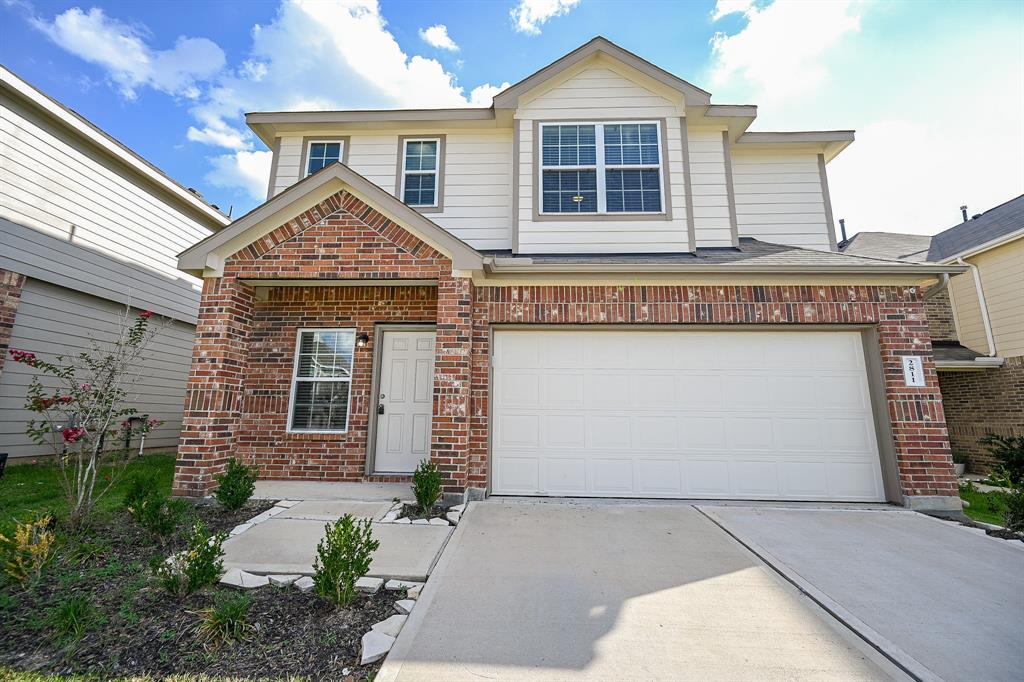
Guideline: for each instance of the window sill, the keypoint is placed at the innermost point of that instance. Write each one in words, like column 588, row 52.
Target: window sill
column 599, row 217
column 427, row 209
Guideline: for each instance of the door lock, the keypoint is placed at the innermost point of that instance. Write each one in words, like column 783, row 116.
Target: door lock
column 380, row 409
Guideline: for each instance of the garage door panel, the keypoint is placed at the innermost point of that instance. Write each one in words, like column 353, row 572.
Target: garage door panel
column 681, row 414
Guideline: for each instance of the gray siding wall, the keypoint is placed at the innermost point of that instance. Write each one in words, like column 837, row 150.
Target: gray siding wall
column 53, row 320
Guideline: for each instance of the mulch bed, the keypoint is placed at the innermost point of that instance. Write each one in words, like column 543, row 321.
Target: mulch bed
column 1004, row 534
column 413, row 511
column 138, row 629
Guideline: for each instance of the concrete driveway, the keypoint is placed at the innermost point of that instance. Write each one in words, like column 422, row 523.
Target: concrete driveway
column 945, row 601
column 591, row 591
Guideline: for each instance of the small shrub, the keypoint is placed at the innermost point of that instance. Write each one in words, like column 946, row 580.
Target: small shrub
column 198, row 565
column 236, row 484
column 85, row 551
column 343, row 557
column 72, row 617
column 139, row 488
column 226, row 620
column 26, row 552
column 426, row 485
column 1009, row 450
column 959, row 457
column 1013, row 514
column 158, row 513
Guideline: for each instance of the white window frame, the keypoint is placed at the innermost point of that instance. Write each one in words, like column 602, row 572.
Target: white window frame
column 600, row 168
column 436, row 172
column 309, row 152
column 296, row 379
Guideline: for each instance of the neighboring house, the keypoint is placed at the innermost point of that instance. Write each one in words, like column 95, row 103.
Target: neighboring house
column 602, row 285
column 87, row 226
column 976, row 322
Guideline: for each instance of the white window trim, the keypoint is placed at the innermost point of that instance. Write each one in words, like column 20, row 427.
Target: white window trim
column 600, row 167
column 296, row 379
column 436, row 172
column 309, row 150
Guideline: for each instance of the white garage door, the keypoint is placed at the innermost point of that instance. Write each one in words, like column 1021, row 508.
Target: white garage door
column 637, row 413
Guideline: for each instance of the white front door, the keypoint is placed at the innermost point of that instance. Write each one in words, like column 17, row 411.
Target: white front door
column 404, row 401
column 704, row 414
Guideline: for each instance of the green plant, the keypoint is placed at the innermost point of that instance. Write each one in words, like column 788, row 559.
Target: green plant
column 959, row 457
column 198, row 565
column 85, row 551
column 27, row 550
column 1009, row 450
column 226, row 620
column 81, row 411
column 343, row 556
column 1013, row 514
column 426, row 485
column 155, row 511
column 72, row 617
column 236, row 484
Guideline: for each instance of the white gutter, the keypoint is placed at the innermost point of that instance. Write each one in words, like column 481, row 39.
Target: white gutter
column 985, row 321
column 938, row 288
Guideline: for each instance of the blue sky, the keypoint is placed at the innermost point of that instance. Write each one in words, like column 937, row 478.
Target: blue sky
column 934, row 89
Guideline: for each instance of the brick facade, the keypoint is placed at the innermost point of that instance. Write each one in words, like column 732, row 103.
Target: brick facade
column 982, row 402
column 238, row 391
column 11, row 284
column 940, row 317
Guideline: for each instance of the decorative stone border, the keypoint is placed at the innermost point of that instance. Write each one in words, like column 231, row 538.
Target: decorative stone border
column 279, row 508
column 393, row 515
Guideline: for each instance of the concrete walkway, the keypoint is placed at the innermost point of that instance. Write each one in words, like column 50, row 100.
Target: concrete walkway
column 579, row 591
column 946, row 601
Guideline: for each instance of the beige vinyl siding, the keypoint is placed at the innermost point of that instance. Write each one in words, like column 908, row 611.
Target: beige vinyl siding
column 600, row 94
column 52, row 320
column 779, row 198
column 1002, row 279
column 289, row 158
column 477, row 177
column 710, row 191
column 71, row 216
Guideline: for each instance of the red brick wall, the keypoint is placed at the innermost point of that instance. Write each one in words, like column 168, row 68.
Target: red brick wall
column 940, row 317
column 918, row 424
column 981, row 402
column 262, row 436
column 11, row 284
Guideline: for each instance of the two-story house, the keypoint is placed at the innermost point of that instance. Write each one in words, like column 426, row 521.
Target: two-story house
column 87, row 227
column 601, row 285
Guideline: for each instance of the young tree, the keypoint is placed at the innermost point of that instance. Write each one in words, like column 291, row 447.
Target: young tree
column 81, row 410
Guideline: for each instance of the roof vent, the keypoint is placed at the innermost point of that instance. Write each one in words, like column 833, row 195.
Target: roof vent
column 200, row 195
column 963, row 210
column 975, row 216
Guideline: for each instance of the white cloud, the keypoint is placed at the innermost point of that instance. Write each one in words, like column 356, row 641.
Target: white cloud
column 131, row 63
column 780, row 50
column 483, row 95
column 219, row 137
column 438, row 37
column 249, row 171
column 529, row 15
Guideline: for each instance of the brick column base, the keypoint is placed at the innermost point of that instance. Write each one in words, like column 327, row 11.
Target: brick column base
column 11, row 284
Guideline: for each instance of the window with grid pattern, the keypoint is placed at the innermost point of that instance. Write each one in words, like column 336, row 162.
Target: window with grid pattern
column 419, row 169
column 601, row 168
column 322, row 154
column 323, row 377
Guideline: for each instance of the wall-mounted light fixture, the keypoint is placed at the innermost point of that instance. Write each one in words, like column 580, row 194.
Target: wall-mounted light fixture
column 362, row 340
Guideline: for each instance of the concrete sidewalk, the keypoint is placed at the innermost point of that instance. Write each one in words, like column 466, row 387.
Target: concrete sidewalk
column 610, row 592
column 946, row 601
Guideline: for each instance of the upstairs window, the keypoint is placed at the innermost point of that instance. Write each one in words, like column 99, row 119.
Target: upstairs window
column 323, row 153
column 322, row 380
column 419, row 184
column 601, row 168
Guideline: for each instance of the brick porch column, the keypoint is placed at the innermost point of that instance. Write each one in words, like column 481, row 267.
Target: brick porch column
column 214, row 394
column 450, row 437
column 921, row 441
column 11, row 284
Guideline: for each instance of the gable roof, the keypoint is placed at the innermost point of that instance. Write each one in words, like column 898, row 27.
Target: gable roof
column 211, row 253
column 912, row 248
column 94, row 137
column 994, row 226
column 509, row 97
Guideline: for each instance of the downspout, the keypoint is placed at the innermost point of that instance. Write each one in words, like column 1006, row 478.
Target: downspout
column 985, row 321
column 938, row 288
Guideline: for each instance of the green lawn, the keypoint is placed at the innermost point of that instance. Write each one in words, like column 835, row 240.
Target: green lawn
column 27, row 488
column 985, row 507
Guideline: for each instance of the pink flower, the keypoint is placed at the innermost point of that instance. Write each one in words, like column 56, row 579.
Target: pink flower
column 146, row 314
column 86, row 387
column 72, row 433
column 23, row 356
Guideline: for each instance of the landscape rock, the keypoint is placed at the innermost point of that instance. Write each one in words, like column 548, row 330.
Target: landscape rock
column 458, row 508
column 405, row 606
column 404, row 519
column 283, row 580
column 391, row 516
column 394, row 585
column 438, row 522
column 241, row 528
column 391, row 625
column 287, row 504
column 453, row 517
column 420, row 522
column 369, row 585
column 244, row 580
column 305, row 584
column 376, row 646
column 414, row 592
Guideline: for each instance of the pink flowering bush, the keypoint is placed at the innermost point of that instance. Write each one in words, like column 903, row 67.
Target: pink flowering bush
column 82, row 412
